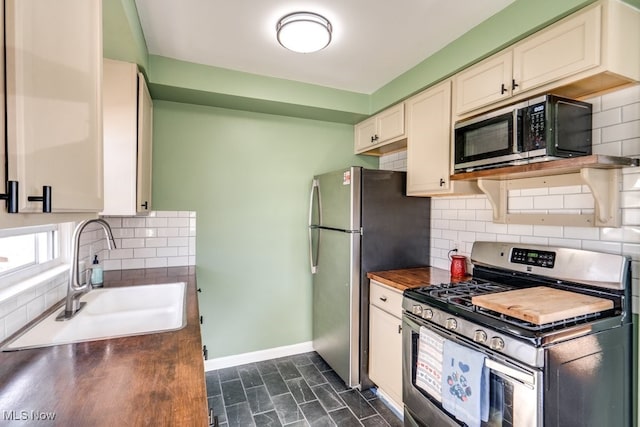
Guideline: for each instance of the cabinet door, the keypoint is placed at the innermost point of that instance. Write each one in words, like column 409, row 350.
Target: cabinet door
column 53, row 82
column 385, row 352
column 365, row 135
column 428, row 141
column 120, row 109
column 391, row 123
column 484, row 83
column 145, row 138
column 561, row 51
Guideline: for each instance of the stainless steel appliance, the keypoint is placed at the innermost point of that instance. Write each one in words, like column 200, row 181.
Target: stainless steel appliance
column 360, row 220
column 542, row 128
column 575, row 371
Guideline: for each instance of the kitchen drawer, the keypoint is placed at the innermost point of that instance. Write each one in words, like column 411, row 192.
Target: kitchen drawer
column 386, row 298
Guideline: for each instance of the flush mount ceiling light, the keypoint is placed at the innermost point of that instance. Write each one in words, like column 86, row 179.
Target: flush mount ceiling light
column 304, row 32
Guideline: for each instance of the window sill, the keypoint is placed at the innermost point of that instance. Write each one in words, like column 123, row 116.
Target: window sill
column 12, row 291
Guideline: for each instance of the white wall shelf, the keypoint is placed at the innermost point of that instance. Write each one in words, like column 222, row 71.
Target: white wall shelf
column 602, row 174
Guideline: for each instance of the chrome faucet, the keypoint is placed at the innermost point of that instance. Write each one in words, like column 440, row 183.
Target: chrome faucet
column 76, row 288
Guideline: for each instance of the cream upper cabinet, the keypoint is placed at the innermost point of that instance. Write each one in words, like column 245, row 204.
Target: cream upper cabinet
column 128, row 115
column 428, row 144
column 562, row 50
column 53, row 107
column 385, row 340
column 381, row 129
column 592, row 50
column 484, row 83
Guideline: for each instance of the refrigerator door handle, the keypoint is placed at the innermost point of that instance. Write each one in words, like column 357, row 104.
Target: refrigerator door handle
column 313, row 250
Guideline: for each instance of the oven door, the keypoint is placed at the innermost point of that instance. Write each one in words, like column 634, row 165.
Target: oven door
column 515, row 391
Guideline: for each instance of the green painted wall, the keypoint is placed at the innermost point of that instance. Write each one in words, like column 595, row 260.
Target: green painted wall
column 122, row 37
column 511, row 24
column 247, row 175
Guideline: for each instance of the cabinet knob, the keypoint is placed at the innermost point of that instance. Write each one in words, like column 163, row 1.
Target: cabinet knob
column 145, row 205
column 45, row 199
column 503, row 89
column 514, row 85
column 11, row 196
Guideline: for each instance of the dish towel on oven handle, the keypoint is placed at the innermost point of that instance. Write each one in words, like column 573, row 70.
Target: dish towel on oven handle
column 429, row 363
column 465, row 384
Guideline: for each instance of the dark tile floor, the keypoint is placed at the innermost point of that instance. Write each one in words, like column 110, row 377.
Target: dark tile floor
column 300, row 390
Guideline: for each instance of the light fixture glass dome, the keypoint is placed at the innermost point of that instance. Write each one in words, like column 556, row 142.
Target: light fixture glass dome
column 304, row 32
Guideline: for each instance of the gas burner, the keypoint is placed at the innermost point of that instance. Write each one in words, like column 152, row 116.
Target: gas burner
column 460, row 293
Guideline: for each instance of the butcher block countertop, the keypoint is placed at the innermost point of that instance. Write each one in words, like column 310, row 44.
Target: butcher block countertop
column 413, row 277
column 155, row 379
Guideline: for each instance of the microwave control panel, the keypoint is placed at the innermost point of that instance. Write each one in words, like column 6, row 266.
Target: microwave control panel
column 535, row 123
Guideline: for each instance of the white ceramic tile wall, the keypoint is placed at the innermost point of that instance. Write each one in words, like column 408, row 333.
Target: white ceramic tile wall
column 161, row 239
column 463, row 220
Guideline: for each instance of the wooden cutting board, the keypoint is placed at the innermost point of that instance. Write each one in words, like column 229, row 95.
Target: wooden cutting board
column 541, row 304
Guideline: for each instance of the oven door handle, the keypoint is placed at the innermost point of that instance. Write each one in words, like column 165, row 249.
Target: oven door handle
column 510, row 372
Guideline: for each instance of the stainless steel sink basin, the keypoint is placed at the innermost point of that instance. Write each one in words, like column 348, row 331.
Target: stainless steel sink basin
column 111, row 313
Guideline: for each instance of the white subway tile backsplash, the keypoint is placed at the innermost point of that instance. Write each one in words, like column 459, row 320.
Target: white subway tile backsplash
column 607, row 118
column 627, row 130
column 145, row 253
column 631, row 112
column 162, row 239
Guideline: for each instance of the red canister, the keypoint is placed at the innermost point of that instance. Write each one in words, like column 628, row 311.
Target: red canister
column 458, row 266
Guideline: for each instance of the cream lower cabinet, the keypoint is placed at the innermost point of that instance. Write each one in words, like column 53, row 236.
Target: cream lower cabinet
column 385, row 340
column 382, row 129
column 53, row 109
column 428, row 144
column 128, row 115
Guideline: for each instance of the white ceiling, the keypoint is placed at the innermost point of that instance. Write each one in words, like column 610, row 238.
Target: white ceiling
column 374, row 41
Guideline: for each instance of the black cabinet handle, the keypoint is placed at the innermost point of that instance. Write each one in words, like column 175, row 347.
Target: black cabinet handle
column 45, row 199
column 399, row 329
column 514, row 85
column 442, row 182
column 201, row 320
column 145, row 205
column 383, row 299
column 200, row 290
column 11, row 196
column 503, row 89
column 205, row 352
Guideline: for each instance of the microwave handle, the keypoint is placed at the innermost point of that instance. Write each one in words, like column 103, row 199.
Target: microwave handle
column 517, row 146
column 510, row 372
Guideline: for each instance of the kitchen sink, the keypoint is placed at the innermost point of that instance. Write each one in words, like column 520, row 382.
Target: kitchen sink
column 111, row 313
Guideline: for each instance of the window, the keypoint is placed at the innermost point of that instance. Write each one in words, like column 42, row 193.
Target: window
column 27, row 251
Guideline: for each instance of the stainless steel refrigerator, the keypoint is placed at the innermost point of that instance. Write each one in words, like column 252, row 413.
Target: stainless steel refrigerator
column 360, row 220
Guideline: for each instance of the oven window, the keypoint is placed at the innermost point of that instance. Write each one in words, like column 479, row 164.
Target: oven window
column 487, row 139
column 501, row 393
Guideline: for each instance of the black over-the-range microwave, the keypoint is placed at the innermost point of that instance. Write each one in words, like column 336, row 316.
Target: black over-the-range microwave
column 544, row 128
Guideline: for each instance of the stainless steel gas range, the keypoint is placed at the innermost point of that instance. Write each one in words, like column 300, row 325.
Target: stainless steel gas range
column 569, row 366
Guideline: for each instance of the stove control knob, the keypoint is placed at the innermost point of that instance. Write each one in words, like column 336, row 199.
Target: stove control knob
column 496, row 343
column 480, row 336
column 451, row 324
column 417, row 310
column 427, row 313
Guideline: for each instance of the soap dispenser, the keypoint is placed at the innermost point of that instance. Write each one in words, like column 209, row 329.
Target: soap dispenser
column 96, row 273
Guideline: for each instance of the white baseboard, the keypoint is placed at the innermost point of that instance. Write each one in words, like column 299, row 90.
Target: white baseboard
column 257, row 356
column 396, row 407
